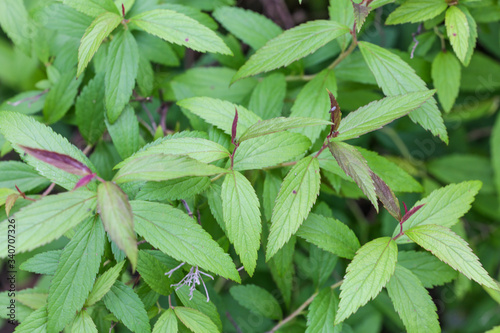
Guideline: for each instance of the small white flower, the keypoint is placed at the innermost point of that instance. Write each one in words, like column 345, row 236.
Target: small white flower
column 192, row 279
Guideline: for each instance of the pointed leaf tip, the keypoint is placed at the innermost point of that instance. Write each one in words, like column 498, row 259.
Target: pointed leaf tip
column 335, row 111
column 61, row 161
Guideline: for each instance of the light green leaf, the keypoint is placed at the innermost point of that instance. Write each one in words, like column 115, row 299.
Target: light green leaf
column 125, row 132
column 15, row 22
column 42, row 263
column 34, row 298
column 446, row 71
column 342, row 11
column 240, row 207
column 291, row 45
column 180, row 29
column 472, row 35
column 313, row 101
column 75, row 274
column 156, row 49
column 252, row 28
column 329, row 234
column 215, row 204
column 453, row 250
column 495, row 329
column 322, row 312
column 199, row 302
column 429, row 269
column 100, row 28
column 195, row 320
column 220, row 113
column 412, row 302
column 48, row 219
column 161, row 167
column 282, row 269
column 269, row 150
column 369, row 271
column 24, row 176
column 83, row 323
column 103, row 284
column 89, row 110
column 61, row 97
column 174, row 189
column 188, row 9
column 457, row 28
column 443, row 206
column 176, row 234
column 124, row 303
column 166, row 323
column 36, row 322
column 92, row 7
column 416, row 11
column 121, row 70
column 379, row 113
column 272, row 184
column 396, row 77
column 495, row 155
column 297, row 194
column 257, row 300
column 354, row 165
column 268, row 96
column 280, row 124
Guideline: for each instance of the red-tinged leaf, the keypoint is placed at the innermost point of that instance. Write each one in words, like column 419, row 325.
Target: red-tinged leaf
column 411, row 212
column 84, row 180
column 10, row 201
column 361, row 11
column 386, row 196
column 335, row 111
column 233, row 128
column 61, row 161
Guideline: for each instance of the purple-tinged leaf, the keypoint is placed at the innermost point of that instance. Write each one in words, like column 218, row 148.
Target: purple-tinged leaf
column 61, row 161
column 233, row 128
column 361, row 11
column 335, row 111
column 85, row 180
column 10, row 201
column 386, row 196
column 411, row 212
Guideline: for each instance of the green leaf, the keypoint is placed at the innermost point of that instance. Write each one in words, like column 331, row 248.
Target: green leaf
column 24, row 130
column 443, row 206
column 202, row 150
column 166, row 323
column 396, row 77
column 103, row 284
column 145, row 79
column 194, row 13
column 282, row 269
column 15, row 22
column 34, row 298
column 199, row 302
column 446, row 72
column 416, row 11
column 89, row 110
column 180, row 29
column 272, row 184
column 75, row 274
column 92, row 7
column 42, row 263
column 83, row 323
column 116, row 215
column 495, row 154
column 472, row 35
column 195, row 320
column 174, row 189
column 49, row 218
column 268, row 96
column 354, row 165
column 156, row 49
column 215, row 204
column 252, row 28
column 121, row 70
column 269, row 150
column 24, row 176
column 176, row 234
column 291, row 45
column 457, row 28
column 412, row 302
column 342, row 11
column 153, row 272
column 361, row 12
column 313, row 101
column 322, row 312
column 431, row 271
column 297, row 194
column 36, row 322
column 160, row 167
column 127, row 307
column 125, row 132
column 280, row 124
column 100, row 28
column 220, row 113
column 257, row 300
column 453, row 250
column 369, row 271
column 240, row 207
column 380, row 113
column 329, row 234
column 61, row 97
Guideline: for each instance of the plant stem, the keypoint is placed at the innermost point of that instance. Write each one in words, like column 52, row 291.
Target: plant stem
column 351, row 48
column 301, row 308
